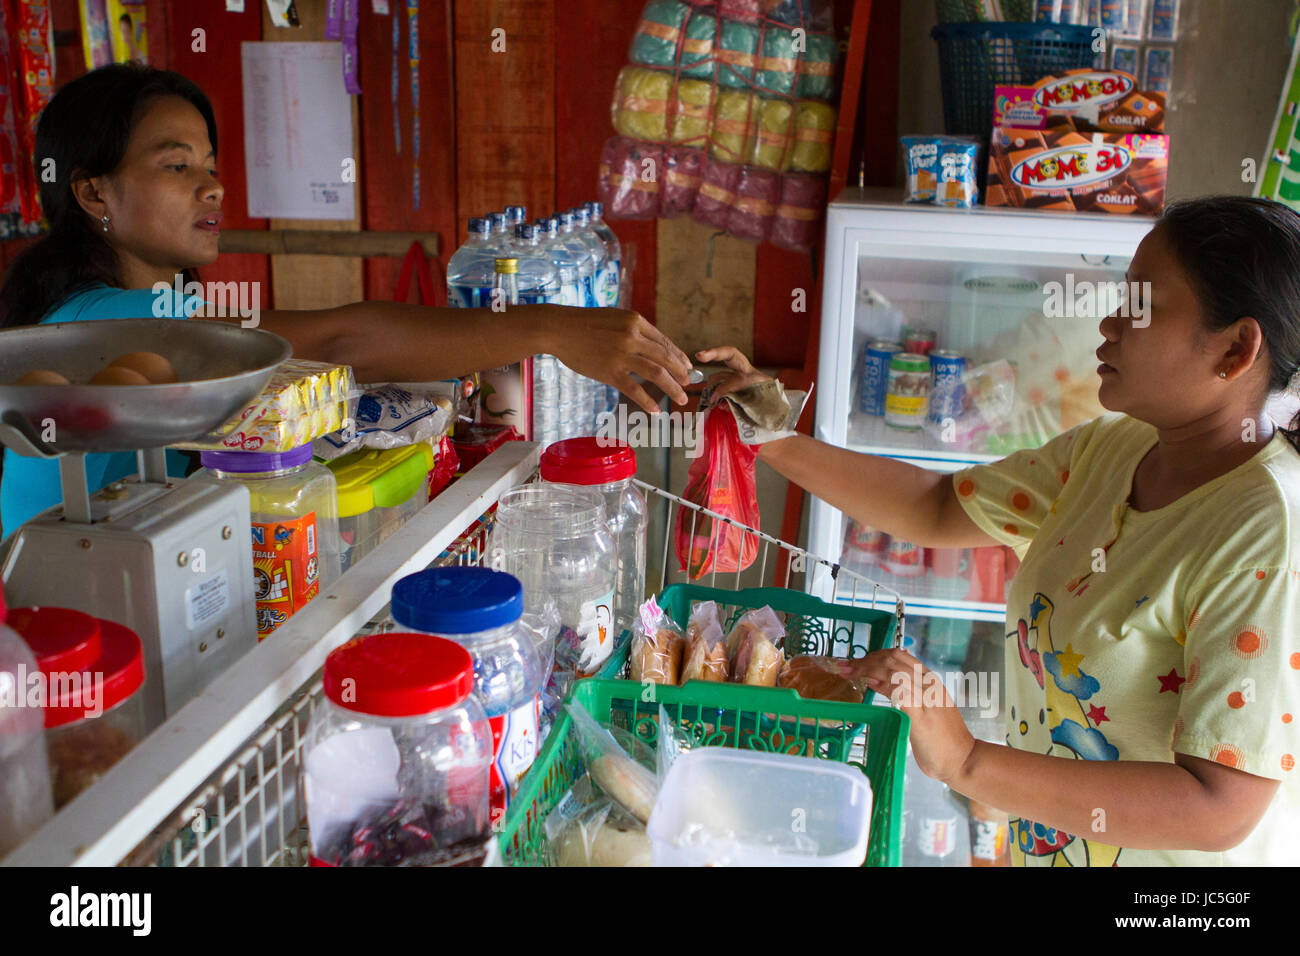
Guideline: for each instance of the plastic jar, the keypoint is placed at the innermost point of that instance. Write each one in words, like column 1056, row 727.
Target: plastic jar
column 379, row 490
column 25, row 799
column 294, row 505
column 479, row 609
column 398, row 756
column 555, row 540
column 608, row 468
column 94, row 713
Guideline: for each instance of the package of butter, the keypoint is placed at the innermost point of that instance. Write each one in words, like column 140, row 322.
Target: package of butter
column 302, row 401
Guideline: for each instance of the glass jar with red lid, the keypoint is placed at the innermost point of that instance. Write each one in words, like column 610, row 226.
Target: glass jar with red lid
column 92, row 671
column 25, row 801
column 398, row 756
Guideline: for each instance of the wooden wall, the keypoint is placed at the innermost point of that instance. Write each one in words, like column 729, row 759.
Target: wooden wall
column 524, row 125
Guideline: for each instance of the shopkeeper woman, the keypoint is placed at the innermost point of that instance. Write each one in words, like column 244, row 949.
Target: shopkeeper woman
column 136, row 201
column 1153, row 629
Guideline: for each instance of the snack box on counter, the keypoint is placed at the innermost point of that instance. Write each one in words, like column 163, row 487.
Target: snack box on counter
column 1087, row 140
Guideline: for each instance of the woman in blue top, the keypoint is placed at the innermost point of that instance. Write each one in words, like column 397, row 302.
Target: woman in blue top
column 135, row 201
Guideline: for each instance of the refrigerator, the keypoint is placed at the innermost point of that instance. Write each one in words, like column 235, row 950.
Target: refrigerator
column 1017, row 295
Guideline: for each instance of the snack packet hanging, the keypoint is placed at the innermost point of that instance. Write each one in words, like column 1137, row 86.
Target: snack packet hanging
column 616, row 773
column 706, row 650
column 657, row 646
column 753, row 648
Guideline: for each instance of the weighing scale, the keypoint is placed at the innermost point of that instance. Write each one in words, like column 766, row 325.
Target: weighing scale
column 169, row 558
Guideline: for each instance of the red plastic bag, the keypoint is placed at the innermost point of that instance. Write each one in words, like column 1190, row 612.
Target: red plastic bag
column 721, row 479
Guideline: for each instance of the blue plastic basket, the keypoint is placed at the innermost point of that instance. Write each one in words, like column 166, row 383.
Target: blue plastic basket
column 976, row 57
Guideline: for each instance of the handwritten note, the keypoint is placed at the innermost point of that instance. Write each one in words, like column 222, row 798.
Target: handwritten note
column 298, row 132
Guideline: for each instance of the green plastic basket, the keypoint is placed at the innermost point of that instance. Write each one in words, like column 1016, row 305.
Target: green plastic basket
column 719, row 715
column 812, row 626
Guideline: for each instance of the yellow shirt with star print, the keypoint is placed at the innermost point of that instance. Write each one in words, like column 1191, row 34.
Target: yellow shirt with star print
column 1135, row 635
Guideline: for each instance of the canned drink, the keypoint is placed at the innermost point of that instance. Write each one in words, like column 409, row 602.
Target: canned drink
column 950, row 562
column 938, row 836
column 947, row 640
column 875, row 376
column 918, row 340
column 904, row 559
column 947, row 392
column 908, row 391
column 868, row 543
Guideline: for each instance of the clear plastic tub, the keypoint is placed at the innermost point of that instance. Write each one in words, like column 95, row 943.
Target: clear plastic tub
column 94, row 712
column 479, row 609
column 398, row 756
column 555, row 540
column 378, row 491
column 25, row 800
column 725, row 807
column 608, row 467
column 295, row 534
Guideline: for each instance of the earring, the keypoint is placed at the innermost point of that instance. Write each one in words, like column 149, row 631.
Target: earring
column 104, row 220
column 1221, row 374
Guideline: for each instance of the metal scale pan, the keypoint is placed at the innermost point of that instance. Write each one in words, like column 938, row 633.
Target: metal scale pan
column 221, row 368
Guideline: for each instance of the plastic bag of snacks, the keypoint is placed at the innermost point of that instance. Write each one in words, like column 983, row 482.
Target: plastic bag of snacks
column 721, row 480
column 803, row 197
column 302, row 401
column 630, row 175
column 942, row 170
column 745, row 81
column 705, row 657
column 657, row 646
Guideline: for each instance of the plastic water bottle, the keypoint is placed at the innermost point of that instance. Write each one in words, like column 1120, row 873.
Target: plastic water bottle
column 505, row 282
column 470, row 273
column 539, row 280
column 516, row 216
column 613, row 286
column 583, row 253
column 500, row 237
column 565, row 263
column 605, row 292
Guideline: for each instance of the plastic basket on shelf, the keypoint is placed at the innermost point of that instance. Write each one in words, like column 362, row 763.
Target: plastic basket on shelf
column 976, row 57
column 724, row 715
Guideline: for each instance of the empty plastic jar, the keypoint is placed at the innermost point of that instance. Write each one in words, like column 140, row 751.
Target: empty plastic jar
column 479, row 609
column 608, row 468
column 94, row 712
column 296, row 545
column 555, row 540
column 25, row 800
column 398, row 756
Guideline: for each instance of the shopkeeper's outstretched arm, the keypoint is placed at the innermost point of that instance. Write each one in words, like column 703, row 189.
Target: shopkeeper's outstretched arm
column 892, row 496
column 1190, row 804
column 392, row 342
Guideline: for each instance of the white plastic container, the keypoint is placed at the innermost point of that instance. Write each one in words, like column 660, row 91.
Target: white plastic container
column 724, row 807
column 25, row 798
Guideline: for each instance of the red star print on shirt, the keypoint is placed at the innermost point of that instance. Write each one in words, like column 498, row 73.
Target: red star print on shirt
column 1097, row 714
column 1171, row 681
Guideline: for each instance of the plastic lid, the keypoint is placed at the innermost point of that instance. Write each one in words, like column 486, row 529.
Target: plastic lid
column 62, row 639
column 507, row 266
column 516, row 213
column 588, row 461
column 581, row 215
column 121, row 668
column 526, row 231
column 381, row 478
column 457, row 600
column 248, row 462
column 477, row 225
column 596, row 209
column 398, row 675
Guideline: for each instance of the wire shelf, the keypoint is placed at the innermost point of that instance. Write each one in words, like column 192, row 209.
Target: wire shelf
column 252, row 811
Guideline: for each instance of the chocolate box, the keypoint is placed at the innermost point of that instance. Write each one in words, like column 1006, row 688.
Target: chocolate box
column 1083, row 141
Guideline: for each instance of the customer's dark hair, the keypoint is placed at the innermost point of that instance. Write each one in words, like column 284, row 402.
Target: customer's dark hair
column 1242, row 257
column 84, row 129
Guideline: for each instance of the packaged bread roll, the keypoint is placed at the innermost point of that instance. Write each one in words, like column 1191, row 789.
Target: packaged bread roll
column 823, row 678
column 706, row 650
column 753, row 648
column 657, row 646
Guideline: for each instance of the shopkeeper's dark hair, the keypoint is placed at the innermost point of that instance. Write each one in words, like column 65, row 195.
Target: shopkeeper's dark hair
column 85, row 129
column 1242, row 257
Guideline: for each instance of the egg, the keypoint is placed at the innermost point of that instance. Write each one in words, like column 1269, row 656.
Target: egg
column 151, row 365
column 115, row 375
column 42, row 376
